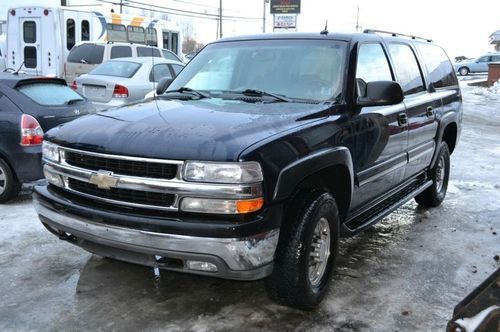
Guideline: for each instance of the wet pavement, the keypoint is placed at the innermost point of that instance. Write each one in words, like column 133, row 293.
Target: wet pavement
column 406, row 273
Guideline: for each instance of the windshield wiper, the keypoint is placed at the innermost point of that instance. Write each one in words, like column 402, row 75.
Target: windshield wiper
column 84, row 61
column 72, row 101
column 259, row 93
column 198, row 93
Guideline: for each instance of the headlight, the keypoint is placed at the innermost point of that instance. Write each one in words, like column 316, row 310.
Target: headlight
column 219, row 172
column 50, row 151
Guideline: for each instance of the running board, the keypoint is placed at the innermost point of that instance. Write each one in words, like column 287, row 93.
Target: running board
column 364, row 220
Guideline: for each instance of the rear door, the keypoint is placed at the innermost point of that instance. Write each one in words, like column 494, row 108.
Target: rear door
column 420, row 107
column 82, row 59
column 30, row 44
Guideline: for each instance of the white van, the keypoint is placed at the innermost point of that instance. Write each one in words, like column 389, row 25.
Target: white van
column 3, row 53
column 39, row 39
column 85, row 56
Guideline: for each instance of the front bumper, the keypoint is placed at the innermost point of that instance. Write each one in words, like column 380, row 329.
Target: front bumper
column 247, row 258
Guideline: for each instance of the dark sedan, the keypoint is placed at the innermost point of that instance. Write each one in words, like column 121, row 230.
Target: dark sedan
column 29, row 106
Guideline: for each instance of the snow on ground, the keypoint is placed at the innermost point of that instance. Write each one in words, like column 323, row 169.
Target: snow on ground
column 406, row 273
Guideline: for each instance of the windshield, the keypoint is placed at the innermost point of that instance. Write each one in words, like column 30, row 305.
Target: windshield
column 116, row 68
column 297, row 69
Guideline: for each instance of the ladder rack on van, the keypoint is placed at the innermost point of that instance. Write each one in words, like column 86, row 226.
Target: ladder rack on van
column 396, row 34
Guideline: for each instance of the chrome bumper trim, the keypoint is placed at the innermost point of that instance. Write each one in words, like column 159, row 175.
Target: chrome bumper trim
column 239, row 254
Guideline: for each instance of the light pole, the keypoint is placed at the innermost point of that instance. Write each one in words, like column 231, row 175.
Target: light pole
column 220, row 19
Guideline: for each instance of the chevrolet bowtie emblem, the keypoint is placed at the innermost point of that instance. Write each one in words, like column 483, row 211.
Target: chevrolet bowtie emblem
column 104, row 179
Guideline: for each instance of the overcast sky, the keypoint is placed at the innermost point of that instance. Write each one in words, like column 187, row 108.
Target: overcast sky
column 462, row 28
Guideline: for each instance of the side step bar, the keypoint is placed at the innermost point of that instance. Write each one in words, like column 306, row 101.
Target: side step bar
column 363, row 220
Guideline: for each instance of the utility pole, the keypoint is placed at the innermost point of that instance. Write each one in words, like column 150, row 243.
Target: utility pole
column 220, row 19
column 357, row 21
column 264, row 17
column 121, row 6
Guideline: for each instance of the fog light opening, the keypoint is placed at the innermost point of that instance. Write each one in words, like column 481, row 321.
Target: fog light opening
column 54, row 179
column 201, row 266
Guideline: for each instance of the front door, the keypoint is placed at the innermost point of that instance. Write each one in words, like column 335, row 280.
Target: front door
column 380, row 132
column 31, row 45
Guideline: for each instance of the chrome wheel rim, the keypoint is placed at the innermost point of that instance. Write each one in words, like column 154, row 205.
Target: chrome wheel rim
column 3, row 180
column 320, row 252
column 463, row 71
column 440, row 173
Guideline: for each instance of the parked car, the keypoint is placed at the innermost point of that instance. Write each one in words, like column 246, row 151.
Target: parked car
column 120, row 81
column 85, row 56
column 476, row 65
column 29, row 106
column 301, row 140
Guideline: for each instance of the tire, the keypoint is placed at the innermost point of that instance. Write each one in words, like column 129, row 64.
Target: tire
column 464, row 71
column 439, row 174
column 299, row 279
column 9, row 186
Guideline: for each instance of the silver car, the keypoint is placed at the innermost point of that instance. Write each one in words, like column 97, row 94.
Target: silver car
column 120, row 81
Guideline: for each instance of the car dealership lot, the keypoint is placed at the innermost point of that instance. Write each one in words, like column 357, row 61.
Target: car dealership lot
column 406, row 273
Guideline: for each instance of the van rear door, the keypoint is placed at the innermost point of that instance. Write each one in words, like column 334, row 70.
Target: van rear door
column 30, row 45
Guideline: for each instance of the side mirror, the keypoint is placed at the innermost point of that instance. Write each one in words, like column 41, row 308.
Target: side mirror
column 163, row 85
column 379, row 93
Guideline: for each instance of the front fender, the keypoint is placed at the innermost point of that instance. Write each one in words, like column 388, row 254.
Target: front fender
column 292, row 175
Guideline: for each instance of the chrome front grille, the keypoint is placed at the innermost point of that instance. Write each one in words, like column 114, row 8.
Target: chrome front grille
column 147, row 169
column 123, row 195
column 137, row 182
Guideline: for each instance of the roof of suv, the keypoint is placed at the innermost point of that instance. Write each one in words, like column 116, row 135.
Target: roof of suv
column 320, row 36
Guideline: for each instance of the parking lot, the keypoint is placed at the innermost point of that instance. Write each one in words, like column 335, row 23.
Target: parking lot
column 406, row 273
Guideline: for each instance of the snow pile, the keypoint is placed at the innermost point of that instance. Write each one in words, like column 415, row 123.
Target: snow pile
column 492, row 90
column 495, row 88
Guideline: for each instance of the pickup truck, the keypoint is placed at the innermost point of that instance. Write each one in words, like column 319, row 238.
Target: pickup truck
column 259, row 157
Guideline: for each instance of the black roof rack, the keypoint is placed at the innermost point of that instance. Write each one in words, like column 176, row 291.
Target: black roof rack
column 396, row 34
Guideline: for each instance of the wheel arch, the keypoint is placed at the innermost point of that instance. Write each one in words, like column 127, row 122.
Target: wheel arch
column 330, row 170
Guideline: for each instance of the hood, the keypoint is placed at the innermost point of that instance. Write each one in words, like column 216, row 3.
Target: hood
column 207, row 129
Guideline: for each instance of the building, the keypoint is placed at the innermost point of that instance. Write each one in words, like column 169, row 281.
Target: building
column 3, row 27
column 494, row 39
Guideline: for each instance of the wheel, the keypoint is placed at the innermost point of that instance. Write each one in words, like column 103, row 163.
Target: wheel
column 439, row 174
column 306, row 252
column 464, row 71
column 9, row 186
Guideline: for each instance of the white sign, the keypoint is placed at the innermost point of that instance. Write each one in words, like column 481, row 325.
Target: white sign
column 285, row 21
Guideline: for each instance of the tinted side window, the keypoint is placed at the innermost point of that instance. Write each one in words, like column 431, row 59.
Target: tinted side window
column 177, row 69
column 495, row 58
column 70, row 34
column 85, row 30
column 407, row 68
column 29, row 32
column 87, row 53
column 148, row 52
column 372, row 66
column 120, row 52
column 439, row 67
column 484, row 59
column 160, row 71
column 170, row 56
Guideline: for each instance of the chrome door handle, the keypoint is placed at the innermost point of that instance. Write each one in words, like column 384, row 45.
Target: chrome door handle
column 430, row 111
column 402, row 119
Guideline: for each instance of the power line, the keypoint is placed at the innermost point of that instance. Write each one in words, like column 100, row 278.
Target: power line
column 180, row 12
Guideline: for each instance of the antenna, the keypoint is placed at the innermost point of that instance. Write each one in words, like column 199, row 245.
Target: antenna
column 325, row 30
column 17, row 71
